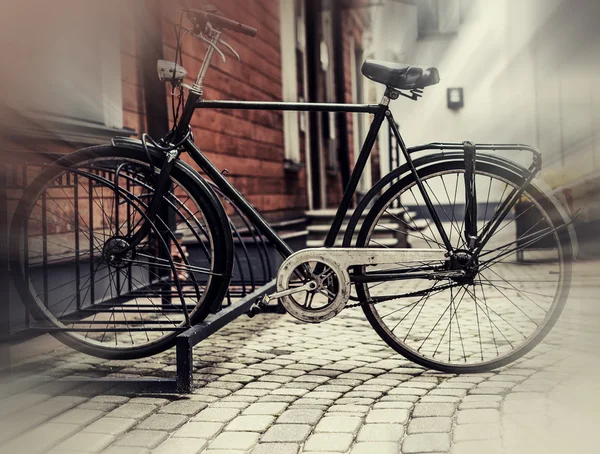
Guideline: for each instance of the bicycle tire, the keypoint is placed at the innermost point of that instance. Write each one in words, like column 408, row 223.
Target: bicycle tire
column 459, row 362
column 189, row 193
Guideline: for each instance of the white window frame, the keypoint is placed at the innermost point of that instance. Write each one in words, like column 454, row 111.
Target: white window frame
column 289, row 78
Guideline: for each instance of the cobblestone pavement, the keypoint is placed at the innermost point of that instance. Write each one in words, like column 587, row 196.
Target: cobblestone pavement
column 275, row 385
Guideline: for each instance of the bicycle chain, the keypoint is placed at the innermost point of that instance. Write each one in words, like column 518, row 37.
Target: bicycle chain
column 403, row 295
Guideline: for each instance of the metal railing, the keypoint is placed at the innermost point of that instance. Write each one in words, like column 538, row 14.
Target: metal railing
column 252, row 261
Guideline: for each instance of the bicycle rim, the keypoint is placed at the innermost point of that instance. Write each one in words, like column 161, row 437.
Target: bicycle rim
column 72, row 221
column 513, row 301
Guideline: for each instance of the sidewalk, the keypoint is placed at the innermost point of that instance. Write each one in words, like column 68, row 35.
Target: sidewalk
column 275, row 385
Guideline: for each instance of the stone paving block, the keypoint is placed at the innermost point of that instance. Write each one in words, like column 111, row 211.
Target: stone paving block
column 477, row 431
column 110, row 399
column 333, row 388
column 317, row 403
column 309, row 386
column 406, row 390
column 211, row 414
column 304, row 416
column 263, row 385
column 235, row 440
column 253, row 392
column 289, row 372
column 165, row 421
column 399, row 398
column 416, row 383
column 181, row 446
column 391, row 404
column 311, row 379
column 362, row 394
column 449, row 392
column 290, row 392
column 426, row 442
column 86, row 442
column 322, row 395
column 439, row 399
column 477, row 416
column 387, row 416
column 40, row 439
column 354, row 409
column 99, row 406
column 81, row 417
column 214, row 392
column 274, row 408
column 328, row 442
column 344, row 424
column 275, row 398
column 355, row 401
column 480, row 404
column 143, row 438
column 432, row 424
column 133, row 411
column 484, row 391
column 375, row 447
column 276, row 448
column 433, row 409
column 111, row 426
column 253, row 423
column 477, row 447
column 287, row 433
column 206, row 430
column 184, row 407
column 223, row 384
column 482, row 398
column 281, row 379
column 125, row 450
column 381, row 432
column 149, row 401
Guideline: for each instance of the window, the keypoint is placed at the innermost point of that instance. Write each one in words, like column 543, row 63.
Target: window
column 438, row 17
column 65, row 63
column 292, row 65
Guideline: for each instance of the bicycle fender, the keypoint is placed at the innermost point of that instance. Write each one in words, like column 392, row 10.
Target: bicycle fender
column 136, row 144
column 437, row 158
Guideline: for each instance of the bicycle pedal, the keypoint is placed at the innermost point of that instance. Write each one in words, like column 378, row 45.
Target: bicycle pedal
column 258, row 306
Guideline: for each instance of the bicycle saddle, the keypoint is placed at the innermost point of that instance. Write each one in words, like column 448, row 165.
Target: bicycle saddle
column 400, row 76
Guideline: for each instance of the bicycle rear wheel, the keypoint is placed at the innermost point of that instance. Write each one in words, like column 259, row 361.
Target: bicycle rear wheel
column 519, row 290
column 66, row 238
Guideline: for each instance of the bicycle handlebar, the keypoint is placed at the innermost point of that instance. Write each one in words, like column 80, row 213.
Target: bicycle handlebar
column 218, row 21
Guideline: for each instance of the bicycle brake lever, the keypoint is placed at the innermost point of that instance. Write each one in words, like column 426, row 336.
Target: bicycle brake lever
column 231, row 49
column 201, row 37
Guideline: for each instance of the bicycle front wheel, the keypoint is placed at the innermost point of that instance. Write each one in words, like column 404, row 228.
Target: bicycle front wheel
column 67, row 238
column 516, row 296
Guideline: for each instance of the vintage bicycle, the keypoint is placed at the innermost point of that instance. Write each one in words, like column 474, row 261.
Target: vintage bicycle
column 477, row 289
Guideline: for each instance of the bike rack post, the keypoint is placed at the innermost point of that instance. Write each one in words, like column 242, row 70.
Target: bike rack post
column 188, row 339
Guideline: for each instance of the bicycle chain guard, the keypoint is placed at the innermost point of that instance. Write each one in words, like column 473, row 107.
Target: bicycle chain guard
column 333, row 280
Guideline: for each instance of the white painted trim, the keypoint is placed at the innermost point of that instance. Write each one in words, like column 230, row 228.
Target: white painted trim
column 289, row 78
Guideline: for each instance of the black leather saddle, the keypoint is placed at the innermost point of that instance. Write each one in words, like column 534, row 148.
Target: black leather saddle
column 400, row 76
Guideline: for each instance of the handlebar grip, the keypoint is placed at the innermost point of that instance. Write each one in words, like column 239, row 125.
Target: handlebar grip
column 223, row 22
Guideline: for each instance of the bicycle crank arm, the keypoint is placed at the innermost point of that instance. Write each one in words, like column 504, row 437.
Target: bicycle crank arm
column 310, row 286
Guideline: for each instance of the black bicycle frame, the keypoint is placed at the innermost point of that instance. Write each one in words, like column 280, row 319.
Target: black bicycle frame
column 380, row 112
